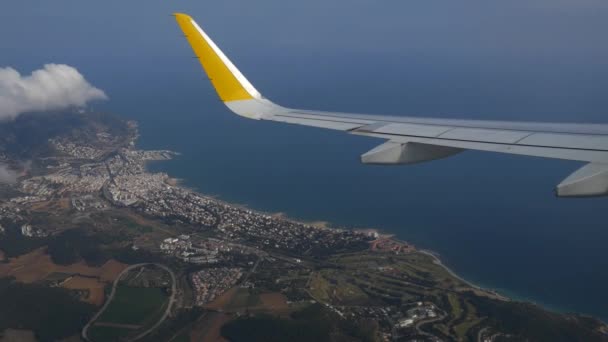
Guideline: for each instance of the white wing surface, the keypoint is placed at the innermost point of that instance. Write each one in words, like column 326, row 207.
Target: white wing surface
column 414, row 139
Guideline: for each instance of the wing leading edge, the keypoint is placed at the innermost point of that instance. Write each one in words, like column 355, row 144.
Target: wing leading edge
column 413, row 139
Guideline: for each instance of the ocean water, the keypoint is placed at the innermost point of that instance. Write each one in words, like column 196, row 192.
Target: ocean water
column 493, row 218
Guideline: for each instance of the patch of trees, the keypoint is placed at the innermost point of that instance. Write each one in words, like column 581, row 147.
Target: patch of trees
column 534, row 323
column 314, row 323
column 27, row 136
column 128, row 255
column 74, row 245
column 52, row 313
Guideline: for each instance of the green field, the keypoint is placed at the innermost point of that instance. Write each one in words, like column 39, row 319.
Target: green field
column 134, row 305
column 107, row 334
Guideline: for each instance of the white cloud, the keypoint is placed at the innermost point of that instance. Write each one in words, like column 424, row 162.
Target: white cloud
column 7, row 175
column 54, row 87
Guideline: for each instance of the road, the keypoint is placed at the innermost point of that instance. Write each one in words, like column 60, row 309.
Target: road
column 172, row 300
column 255, row 267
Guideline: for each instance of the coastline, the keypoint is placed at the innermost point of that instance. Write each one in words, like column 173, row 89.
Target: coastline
column 500, row 296
column 320, row 224
column 437, row 261
column 468, row 285
column 377, row 233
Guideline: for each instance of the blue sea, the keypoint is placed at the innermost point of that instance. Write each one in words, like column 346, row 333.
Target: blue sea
column 492, row 218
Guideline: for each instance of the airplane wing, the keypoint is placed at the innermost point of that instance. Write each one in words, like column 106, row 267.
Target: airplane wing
column 414, row 139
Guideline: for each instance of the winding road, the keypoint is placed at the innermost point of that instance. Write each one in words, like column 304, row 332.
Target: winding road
column 172, row 300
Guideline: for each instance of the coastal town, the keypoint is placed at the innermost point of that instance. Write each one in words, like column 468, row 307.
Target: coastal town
column 225, row 259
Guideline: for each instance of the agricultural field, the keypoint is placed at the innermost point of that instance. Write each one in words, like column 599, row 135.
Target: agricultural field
column 240, row 299
column 140, row 299
column 208, row 328
column 134, row 305
column 15, row 335
column 86, row 280
column 94, row 288
column 275, row 302
column 37, row 265
column 243, row 299
column 131, row 311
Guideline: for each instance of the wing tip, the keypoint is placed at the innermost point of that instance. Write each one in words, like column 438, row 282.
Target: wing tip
column 181, row 15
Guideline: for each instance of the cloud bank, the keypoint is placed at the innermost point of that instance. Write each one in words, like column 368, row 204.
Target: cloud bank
column 54, row 87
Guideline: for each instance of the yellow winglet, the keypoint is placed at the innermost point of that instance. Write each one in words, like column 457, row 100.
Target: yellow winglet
column 228, row 81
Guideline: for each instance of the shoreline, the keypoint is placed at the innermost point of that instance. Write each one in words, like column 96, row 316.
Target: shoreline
column 320, row 224
column 437, row 261
column 500, row 296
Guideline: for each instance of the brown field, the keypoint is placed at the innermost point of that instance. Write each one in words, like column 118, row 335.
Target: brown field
column 60, row 204
column 37, row 265
column 208, row 328
column 221, row 302
column 274, row 301
column 95, row 287
column 14, row 335
column 111, row 269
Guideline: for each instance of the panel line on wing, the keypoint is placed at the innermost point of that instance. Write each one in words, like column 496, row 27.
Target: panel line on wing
column 378, row 134
column 458, row 123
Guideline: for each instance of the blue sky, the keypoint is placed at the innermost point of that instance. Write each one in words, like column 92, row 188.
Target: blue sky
column 532, row 52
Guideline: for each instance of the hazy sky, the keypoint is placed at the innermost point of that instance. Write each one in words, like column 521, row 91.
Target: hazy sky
column 522, row 53
column 534, row 30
